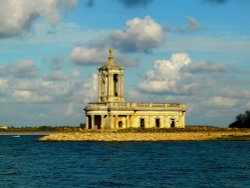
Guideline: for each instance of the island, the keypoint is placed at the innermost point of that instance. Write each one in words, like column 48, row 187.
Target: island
column 149, row 135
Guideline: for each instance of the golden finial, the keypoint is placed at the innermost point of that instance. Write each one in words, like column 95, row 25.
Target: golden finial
column 110, row 53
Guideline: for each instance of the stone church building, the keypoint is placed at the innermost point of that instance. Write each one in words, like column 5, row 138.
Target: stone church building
column 112, row 112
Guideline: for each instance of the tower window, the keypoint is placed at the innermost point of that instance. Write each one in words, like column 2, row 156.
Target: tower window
column 116, row 85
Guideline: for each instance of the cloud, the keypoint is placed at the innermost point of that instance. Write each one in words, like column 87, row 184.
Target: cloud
column 58, row 90
column 203, row 67
column 18, row 16
column 135, row 3
column 22, row 69
column 83, row 56
column 30, row 97
column 221, row 102
column 56, row 76
column 166, row 77
column 140, row 35
column 56, row 63
column 191, row 25
column 98, row 56
column 90, row 89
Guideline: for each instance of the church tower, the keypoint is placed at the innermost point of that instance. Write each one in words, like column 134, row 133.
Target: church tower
column 110, row 81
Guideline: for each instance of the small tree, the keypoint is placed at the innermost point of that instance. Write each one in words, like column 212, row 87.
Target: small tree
column 242, row 121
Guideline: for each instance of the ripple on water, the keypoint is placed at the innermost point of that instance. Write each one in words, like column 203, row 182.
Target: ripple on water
column 25, row 163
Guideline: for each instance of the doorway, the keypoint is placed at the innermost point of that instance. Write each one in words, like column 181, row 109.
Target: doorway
column 172, row 123
column 120, row 124
column 98, row 121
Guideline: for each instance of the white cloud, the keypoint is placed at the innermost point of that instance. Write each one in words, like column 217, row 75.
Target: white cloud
column 140, row 35
column 222, row 102
column 166, row 77
column 55, row 89
column 18, row 16
column 90, row 89
column 30, row 97
column 83, row 56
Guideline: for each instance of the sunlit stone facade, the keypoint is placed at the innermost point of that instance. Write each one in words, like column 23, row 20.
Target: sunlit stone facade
column 112, row 112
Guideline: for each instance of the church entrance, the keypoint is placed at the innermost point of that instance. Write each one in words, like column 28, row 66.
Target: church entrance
column 98, row 121
column 121, row 121
column 120, row 124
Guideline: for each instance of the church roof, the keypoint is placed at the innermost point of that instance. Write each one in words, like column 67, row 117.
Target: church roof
column 111, row 62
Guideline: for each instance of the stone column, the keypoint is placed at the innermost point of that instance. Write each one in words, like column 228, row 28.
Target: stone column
column 102, row 122
column 110, row 85
column 99, row 87
column 111, row 125
column 121, row 85
column 86, row 122
column 92, row 121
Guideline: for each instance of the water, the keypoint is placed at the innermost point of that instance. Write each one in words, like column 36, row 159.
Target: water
column 25, row 163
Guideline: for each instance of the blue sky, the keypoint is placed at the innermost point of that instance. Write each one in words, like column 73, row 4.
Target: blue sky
column 194, row 51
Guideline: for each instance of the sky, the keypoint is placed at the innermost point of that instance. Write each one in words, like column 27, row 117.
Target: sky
column 195, row 52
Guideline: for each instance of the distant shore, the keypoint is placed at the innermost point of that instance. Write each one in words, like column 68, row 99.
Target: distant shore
column 149, row 135
column 2, row 133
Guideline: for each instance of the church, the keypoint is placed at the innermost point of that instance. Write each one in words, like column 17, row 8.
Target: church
column 113, row 112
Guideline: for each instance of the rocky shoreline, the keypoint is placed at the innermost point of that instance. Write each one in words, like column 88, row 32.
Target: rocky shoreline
column 147, row 136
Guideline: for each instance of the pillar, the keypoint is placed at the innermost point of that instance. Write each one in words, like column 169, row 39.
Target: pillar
column 102, row 121
column 86, row 122
column 99, row 87
column 121, row 85
column 111, row 121
column 92, row 121
column 110, row 85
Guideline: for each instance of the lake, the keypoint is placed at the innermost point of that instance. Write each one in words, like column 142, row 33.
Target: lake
column 25, row 163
